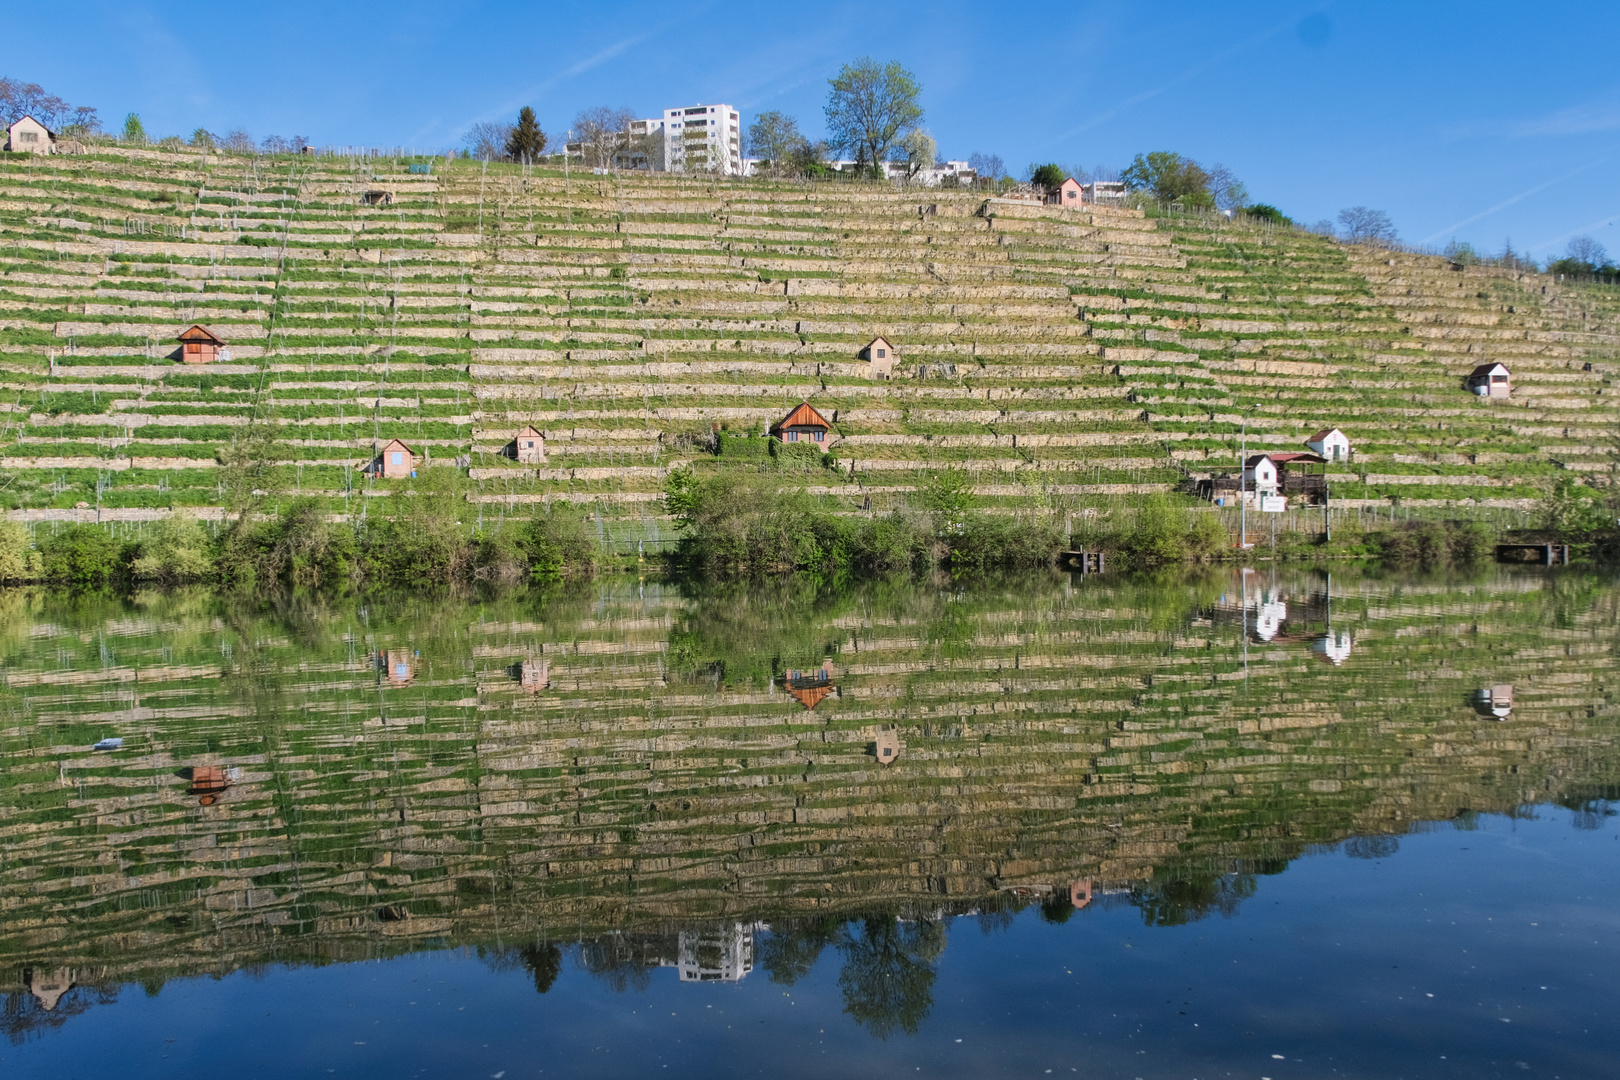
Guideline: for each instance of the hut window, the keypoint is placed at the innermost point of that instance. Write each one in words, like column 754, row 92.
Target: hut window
column 193, row 347
column 1498, row 378
column 820, row 435
column 881, row 354
column 28, row 136
column 398, row 458
column 1071, row 194
column 793, row 436
column 399, row 671
column 887, row 752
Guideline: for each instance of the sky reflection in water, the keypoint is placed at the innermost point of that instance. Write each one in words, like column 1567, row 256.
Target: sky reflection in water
column 1132, row 829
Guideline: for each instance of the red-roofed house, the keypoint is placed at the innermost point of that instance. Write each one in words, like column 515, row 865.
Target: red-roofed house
column 802, row 424
column 1069, row 194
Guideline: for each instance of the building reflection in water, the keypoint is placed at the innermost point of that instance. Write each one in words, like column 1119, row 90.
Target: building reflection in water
column 810, row 685
column 1495, row 701
column 210, row 782
column 534, row 674
column 397, row 665
column 1333, row 646
column 726, row 955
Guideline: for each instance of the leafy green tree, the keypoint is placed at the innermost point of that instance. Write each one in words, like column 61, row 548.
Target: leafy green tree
column 775, row 137
column 1158, row 535
column 1169, row 178
column 174, row 550
column 527, row 141
column 1048, row 176
column 82, row 554
column 134, row 130
column 889, row 971
column 948, row 495
column 871, row 106
column 918, row 150
column 1267, row 212
column 18, row 560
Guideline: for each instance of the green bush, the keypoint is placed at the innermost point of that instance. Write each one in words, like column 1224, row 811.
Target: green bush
column 18, row 560
column 174, row 550
column 83, row 554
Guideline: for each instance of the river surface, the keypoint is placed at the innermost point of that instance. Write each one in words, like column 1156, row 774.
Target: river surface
column 1194, row 826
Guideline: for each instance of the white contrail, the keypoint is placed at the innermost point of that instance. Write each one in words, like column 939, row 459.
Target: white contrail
column 1599, row 223
column 1190, row 73
column 1504, row 204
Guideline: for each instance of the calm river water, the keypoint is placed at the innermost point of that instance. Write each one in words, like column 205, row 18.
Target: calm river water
column 1233, row 824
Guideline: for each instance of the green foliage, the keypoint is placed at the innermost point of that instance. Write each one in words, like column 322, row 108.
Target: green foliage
column 948, row 496
column 744, row 447
column 989, row 541
column 134, row 130
column 84, row 555
column 1170, row 178
column 174, row 550
column 1432, row 544
column 527, row 141
column 1158, row 535
column 1048, row 175
column 557, row 545
column 796, row 456
column 870, row 106
column 1267, row 212
column 1570, row 510
column 18, row 560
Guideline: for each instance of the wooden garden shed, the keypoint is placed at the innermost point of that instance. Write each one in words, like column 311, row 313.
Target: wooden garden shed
column 802, row 424
column 200, row 345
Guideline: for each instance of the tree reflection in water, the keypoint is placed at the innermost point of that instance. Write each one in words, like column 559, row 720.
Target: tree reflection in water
column 889, row 972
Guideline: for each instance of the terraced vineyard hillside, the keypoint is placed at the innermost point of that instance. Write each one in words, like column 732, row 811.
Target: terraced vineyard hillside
column 1067, row 360
column 661, row 771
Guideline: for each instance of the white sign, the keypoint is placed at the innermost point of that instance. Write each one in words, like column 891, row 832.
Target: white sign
column 1273, row 504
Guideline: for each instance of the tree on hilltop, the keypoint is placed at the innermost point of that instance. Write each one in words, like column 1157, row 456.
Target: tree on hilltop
column 1363, row 225
column 1584, row 255
column 775, row 138
column 602, row 132
column 1226, row 190
column 526, row 141
column 918, row 150
column 987, row 166
column 486, row 140
column 1047, row 176
column 870, row 106
column 1169, row 178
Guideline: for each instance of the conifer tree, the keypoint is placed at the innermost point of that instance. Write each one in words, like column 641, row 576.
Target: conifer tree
column 527, row 140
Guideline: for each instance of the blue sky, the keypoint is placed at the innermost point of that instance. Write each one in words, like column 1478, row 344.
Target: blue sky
column 1483, row 121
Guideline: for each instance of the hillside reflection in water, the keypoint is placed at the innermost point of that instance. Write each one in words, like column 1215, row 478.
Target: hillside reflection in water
column 1070, row 824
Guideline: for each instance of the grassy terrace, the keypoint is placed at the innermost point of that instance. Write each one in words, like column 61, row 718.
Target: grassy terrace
column 626, row 316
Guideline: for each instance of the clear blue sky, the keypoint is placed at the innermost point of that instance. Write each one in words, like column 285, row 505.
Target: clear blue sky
column 1482, row 121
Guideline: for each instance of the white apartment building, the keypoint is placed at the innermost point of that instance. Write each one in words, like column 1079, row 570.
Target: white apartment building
column 703, row 138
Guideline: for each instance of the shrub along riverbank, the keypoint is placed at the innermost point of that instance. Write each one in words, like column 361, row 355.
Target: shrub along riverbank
column 735, row 524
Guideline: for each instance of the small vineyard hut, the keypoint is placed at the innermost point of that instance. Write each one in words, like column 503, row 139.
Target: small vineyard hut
column 529, row 447
column 803, row 424
column 395, row 461
column 879, row 357
column 199, row 345
column 28, row 136
column 1330, row 444
column 1491, row 380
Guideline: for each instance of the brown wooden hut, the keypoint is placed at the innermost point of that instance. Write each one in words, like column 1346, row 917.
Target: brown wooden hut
column 802, row 424
column 199, row 345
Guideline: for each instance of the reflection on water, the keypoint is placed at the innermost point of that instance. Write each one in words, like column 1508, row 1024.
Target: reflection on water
column 731, row 783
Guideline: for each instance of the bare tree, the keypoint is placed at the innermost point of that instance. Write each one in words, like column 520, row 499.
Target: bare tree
column 1366, row 226
column 238, row 141
column 19, row 99
column 487, row 140
column 987, row 166
column 602, row 133
column 1227, row 190
column 870, row 106
column 1584, row 249
column 274, row 144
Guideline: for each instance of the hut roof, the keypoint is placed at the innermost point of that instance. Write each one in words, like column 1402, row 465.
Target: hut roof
column 396, row 442
column 199, row 332
column 30, row 116
column 1284, row 458
column 1490, row 369
column 528, row 429
column 801, row 416
column 1324, row 433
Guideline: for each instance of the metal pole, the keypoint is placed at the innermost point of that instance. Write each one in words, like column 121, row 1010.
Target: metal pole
column 1327, row 514
column 1243, row 491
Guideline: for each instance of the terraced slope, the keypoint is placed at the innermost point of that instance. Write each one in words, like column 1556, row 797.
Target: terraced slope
column 389, row 754
column 1067, row 360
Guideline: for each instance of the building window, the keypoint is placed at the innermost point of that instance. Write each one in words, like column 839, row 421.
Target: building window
column 820, row 436
column 28, row 136
column 398, row 458
column 881, row 354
